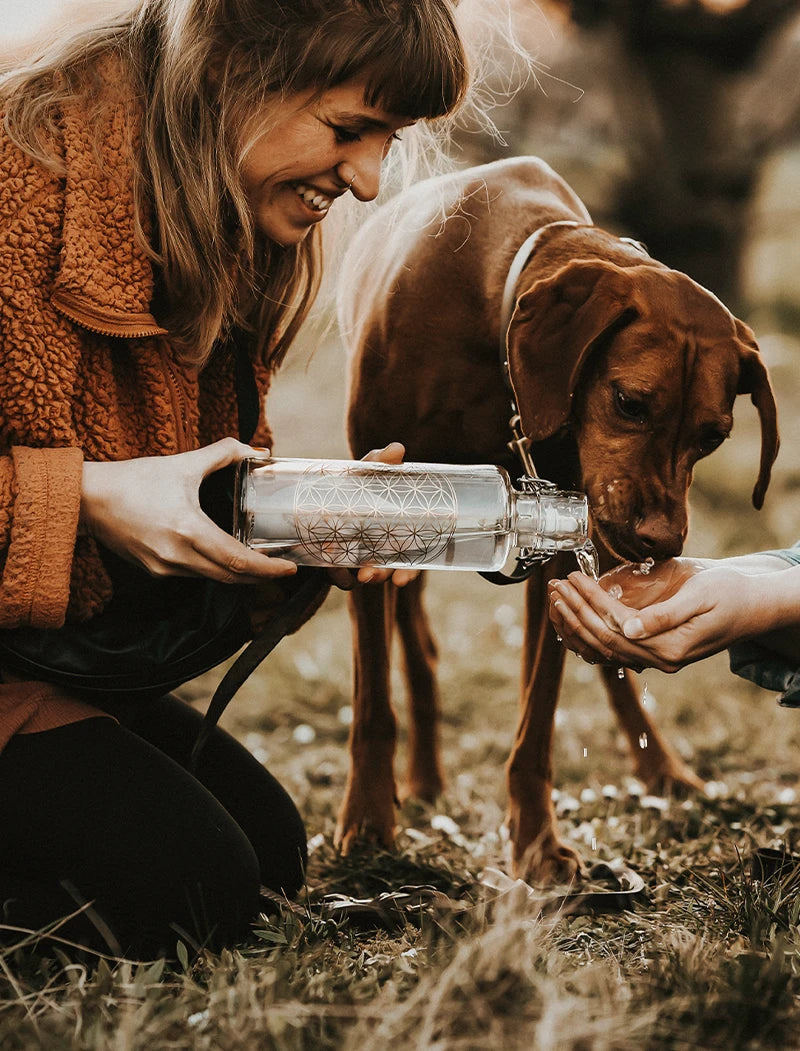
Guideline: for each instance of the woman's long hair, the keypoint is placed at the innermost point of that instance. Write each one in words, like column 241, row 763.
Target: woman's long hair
column 204, row 68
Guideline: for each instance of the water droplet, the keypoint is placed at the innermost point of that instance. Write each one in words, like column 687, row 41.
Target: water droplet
column 645, row 697
column 643, row 740
column 615, row 591
column 644, row 567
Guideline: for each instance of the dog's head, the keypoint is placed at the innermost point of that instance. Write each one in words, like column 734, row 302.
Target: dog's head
column 644, row 365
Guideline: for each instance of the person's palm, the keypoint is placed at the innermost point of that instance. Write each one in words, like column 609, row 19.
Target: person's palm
column 636, row 588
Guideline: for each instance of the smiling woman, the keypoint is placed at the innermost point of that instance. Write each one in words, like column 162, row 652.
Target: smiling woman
column 164, row 174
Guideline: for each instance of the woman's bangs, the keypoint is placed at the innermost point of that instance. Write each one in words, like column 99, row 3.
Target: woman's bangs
column 420, row 83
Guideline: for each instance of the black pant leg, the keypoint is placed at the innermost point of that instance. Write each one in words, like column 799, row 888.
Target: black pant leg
column 253, row 797
column 92, row 812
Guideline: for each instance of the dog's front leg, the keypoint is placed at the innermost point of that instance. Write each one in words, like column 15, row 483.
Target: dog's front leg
column 368, row 809
column 657, row 764
column 425, row 779
column 538, row 854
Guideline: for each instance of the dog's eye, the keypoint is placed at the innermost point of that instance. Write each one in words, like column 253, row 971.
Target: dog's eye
column 630, row 406
column 710, row 439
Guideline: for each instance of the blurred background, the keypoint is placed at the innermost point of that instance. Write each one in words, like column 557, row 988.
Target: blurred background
column 677, row 123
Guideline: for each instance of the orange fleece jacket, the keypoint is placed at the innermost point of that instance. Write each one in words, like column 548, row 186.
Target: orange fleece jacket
column 86, row 372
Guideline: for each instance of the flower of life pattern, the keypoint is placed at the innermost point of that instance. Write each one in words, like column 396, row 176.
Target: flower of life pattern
column 356, row 516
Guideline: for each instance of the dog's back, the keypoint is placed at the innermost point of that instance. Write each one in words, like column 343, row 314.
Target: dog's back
column 424, row 275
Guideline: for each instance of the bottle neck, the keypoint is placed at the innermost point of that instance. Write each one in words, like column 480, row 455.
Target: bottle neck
column 550, row 520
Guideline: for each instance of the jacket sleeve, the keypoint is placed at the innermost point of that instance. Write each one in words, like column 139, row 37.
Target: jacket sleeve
column 40, row 464
column 44, row 486
column 755, row 660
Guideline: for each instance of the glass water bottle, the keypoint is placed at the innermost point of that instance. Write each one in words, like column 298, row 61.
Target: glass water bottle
column 412, row 515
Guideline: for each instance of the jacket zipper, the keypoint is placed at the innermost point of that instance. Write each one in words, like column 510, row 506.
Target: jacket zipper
column 182, row 415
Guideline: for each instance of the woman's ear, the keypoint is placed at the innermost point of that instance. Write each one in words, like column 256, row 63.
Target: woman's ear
column 551, row 333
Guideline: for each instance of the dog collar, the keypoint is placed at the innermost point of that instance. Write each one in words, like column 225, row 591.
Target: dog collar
column 519, row 444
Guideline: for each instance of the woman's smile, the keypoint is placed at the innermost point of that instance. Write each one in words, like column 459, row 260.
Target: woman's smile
column 314, row 199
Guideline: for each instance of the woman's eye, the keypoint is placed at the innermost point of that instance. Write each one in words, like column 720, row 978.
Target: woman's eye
column 631, row 407
column 343, row 135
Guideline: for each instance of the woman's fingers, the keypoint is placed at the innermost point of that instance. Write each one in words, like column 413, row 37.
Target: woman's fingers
column 392, row 453
column 218, row 555
column 223, row 453
column 147, row 510
column 578, row 632
column 664, row 616
column 588, row 621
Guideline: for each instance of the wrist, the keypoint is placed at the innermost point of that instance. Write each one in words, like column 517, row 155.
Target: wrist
column 88, row 497
column 773, row 599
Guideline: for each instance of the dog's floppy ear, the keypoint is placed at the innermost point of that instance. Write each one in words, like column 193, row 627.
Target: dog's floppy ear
column 754, row 380
column 551, row 333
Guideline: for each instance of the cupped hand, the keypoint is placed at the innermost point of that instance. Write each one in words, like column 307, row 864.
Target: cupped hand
column 598, row 620
column 347, row 579
column 147, row 510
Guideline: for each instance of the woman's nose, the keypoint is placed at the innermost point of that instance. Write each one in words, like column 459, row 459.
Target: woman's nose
column 363, row 171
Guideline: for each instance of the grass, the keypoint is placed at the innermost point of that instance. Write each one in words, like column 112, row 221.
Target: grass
column 709, row 958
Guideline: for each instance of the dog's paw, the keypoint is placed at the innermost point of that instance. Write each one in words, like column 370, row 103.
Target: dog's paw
column 546, row 861
column 350, row 835
column 365, row 819
column 672, row 778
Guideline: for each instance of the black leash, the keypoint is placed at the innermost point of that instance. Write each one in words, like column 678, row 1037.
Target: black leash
column 292, row 615
column 310, row 584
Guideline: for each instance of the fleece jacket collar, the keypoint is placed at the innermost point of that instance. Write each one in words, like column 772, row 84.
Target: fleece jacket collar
column 105, row 279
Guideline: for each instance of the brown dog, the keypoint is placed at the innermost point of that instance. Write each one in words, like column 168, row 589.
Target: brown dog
column 624, row 373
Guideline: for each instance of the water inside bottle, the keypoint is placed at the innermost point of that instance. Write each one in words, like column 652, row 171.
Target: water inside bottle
column 421, row 515
column 339, row 519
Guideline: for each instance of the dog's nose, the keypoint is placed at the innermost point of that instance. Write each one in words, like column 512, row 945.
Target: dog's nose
column 659, row 536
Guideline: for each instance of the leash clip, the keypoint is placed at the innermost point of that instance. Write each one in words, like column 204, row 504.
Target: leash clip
column 520, row 445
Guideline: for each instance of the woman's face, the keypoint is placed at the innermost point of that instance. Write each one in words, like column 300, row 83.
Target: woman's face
column 308, row 156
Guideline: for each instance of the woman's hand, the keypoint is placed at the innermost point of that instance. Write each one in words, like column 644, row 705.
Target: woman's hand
column 148, row 511
column 346, row 578
column 681, row 611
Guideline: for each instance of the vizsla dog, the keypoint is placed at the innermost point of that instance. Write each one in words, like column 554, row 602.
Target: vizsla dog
column 624, row 374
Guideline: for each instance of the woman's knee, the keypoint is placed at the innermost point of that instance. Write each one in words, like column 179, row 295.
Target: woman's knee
column 213, row 897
